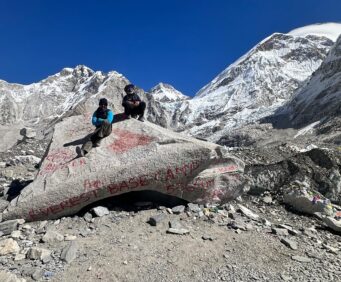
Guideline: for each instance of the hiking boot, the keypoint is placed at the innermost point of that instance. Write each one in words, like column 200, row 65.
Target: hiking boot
column 127, row 117
column 80, row 152
column 97, row 143
column 134, row 116
column 141, row 118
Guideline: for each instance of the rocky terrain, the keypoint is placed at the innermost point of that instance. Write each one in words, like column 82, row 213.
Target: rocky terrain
column 141, row 236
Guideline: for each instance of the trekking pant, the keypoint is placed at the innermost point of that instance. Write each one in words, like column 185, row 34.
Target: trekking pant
column 100, row 132
column 134, row 111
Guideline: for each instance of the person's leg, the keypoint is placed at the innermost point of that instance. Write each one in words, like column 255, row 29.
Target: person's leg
column 105, row 129
column 140, row 110
column 127, row 108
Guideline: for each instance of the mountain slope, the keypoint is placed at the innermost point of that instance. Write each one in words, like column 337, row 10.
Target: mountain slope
column 253, row 87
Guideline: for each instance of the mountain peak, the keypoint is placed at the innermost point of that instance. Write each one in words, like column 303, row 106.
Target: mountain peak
column 329, row 30
column 164, row 92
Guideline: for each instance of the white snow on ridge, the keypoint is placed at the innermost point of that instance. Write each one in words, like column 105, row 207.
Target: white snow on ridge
column 166, row 92
column 329, row 30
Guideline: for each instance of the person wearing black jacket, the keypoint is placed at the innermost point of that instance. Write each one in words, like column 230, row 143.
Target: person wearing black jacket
column 133, row 106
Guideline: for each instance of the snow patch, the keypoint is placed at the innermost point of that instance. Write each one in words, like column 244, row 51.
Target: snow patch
column 307, row 129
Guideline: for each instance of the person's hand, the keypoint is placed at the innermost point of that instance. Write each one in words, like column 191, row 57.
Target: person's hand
column 136, row 103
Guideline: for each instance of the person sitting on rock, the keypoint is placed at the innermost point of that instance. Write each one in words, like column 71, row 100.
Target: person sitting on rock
column 133, row 106
column 102, row 119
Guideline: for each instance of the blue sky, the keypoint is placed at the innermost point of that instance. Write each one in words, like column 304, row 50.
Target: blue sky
column 185, row 43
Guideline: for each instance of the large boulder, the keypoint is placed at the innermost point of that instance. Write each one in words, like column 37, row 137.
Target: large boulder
column 136, row 156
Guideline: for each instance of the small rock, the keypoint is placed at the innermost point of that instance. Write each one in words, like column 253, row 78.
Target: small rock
column 333, row 223
column 301, row 259
column 70, row 237
column 87, row 217
column 291, row 230
column 69, row 253
column 248, row 213
column 125, row 262
column 280, row 231
column 181, row 231
column 2, row 164
column 169, row 210
column 286, row 277
column 331, row 249
column 175, row 224
column 178, row 209
column 52, row 236
column 26, row 227
column 8, row 173
column 154, row 220
column 207, row 237
column 193, row 207
column 100, row 211
column 89, row 268
column 289, row 243
column 37, row 275
column 39, row 253
column 16, row 234
column 56, row 222
column 21, row 221
column 7, row 227
column 266, row 222
column 19, row 257
column 237, row 225
column 267, row 199
column 9, row 246
column 10, row 277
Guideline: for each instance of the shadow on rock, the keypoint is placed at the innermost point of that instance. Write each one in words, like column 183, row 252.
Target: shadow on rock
column 80, row 141
column 15, row 188
column 136, row 201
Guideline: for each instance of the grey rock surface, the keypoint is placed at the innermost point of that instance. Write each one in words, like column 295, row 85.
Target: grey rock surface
column 156, row 219
column 37, row 253
column 290, row 243
column 69, row 253
column 136, row 156
column 52, row 236
column 10, row 277
column 100, row 211
column 7, row 227
column 178, row 209
column 9, row 246
column 248, row 213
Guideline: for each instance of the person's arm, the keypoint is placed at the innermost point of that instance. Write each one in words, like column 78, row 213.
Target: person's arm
column 96, row 121
column 138, row 98
column 124, row 100
column 110, row 117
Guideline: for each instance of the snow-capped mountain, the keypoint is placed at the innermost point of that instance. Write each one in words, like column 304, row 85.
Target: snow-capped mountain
column 318, row 103
column 166, row 93
column 58, row 95
column 164, row 106
column 256, row 85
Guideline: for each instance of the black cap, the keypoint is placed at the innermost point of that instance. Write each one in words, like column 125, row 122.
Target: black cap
column 103, row 101
column 129, row 88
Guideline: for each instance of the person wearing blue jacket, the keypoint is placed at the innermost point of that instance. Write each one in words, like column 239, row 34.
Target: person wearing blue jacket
column 102, row 118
